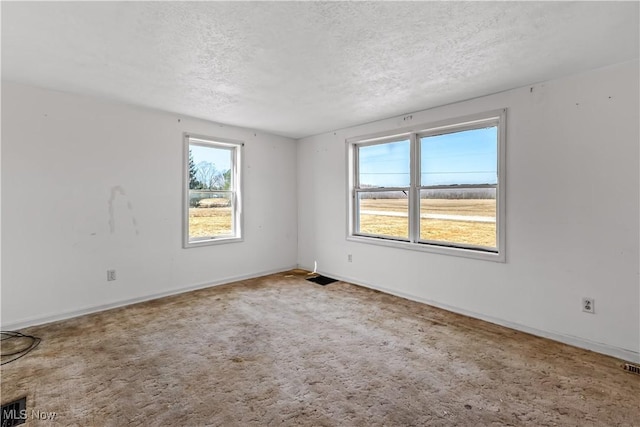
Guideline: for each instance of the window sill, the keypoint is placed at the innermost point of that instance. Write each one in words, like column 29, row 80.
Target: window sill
column 425, row 247
column 212, row 241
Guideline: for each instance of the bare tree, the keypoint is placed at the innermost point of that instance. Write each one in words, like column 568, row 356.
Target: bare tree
column 206, row 173
column 218, row 181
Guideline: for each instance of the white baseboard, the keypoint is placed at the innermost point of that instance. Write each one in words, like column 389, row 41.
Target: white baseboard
column 96, row 308
column 620, row 353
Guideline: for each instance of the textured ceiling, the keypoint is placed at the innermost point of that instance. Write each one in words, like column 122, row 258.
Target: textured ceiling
column 303, row 68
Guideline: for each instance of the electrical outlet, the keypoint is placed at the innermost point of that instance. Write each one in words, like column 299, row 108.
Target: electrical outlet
column 111, row 275
column 349, row 258
column 588, row 305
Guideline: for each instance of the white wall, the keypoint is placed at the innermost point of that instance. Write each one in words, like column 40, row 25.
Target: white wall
column 64, row 157
column 572, row 216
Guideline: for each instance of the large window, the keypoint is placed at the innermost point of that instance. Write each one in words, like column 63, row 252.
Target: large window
column 213, row 202
column 437, row 188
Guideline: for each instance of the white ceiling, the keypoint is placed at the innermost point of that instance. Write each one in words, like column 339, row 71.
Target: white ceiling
column 303, row 68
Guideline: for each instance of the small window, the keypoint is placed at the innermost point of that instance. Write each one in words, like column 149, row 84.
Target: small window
column 437, row 189
column 213, row 202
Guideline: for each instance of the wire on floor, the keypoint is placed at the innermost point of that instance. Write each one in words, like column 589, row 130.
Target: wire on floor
column 19, row 351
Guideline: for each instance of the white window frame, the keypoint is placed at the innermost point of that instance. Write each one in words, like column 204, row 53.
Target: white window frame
column 357, row 189
column 414, row 133
column 236, row 148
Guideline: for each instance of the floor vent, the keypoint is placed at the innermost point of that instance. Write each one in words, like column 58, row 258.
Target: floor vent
column 322, row 280
column 14, row 413
column 630, row 367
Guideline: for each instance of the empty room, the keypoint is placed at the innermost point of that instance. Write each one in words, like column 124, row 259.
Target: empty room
column 320, row 213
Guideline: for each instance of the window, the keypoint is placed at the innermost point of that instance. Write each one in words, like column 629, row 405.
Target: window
column 212, row 202
column 382, row 194
column 438, row 188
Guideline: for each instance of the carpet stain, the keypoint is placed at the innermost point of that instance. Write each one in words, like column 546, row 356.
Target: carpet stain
column 278, row 351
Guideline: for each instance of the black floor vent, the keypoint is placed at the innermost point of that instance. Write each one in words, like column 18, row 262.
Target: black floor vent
column 322, row 280
column 14, row 413
column 635, row 369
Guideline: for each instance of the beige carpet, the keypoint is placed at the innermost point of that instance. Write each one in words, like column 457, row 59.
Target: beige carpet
column 279, row 350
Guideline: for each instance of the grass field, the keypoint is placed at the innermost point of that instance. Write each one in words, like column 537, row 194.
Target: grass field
column 212, row 221
column 205, row 222
column 459, row 231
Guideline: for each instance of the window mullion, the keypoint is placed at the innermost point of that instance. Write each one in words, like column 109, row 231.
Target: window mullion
column 414, row 199
column 354, row 194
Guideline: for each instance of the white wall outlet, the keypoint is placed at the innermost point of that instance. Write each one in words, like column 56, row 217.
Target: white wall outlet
column 588, row 305
column 349, row 258
column 111, row 275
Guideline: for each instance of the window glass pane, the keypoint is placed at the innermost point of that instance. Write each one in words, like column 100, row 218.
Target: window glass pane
column 459, row 216
column 384, row 165
column 212, row 167
column 210, row 214
column 211, row 192
column 467, row 157
column 384, row 213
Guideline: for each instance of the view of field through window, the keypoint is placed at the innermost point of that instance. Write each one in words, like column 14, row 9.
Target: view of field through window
column 470, row 221
column 210, row 192
column 457, row 188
